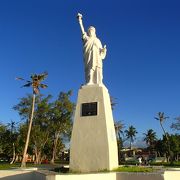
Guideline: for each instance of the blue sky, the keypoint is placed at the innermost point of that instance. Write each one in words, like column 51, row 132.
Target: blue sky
column 142, row 65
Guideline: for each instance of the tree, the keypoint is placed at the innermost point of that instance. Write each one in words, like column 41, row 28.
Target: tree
column 160, row 147
column 8, row 140
column 161, row 118
column 41, row 127
column 113, row 102
column 61, row 124
column 174, row 140
column 50, row 118
column 2, row 131
column 41, row 124
column 13, row 138
column 131, row 134
column 36, row 84
column 150, row 138
column 118, row 130
column 176, row 125
column 118, row 125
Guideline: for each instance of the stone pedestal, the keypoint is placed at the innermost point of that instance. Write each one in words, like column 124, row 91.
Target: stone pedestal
column 93, row 143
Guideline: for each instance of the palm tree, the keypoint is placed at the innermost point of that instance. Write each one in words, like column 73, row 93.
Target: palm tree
column 118, row 125
column 35, row 83
column 113, row 102
column 161, row 118
column 150, row 138
column 130, row 134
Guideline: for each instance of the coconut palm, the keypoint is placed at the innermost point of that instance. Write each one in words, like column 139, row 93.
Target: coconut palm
column 130, row 134
column 150, row 138
column 35, row 83
column 161, row 118
column 118, row 125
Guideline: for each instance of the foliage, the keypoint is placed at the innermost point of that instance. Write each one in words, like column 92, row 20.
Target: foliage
column 161, row 118
column 174, row 141
column 2, row 131
column 61, row 122
column 40, row 129
column 131, row 134
column 150, row 138
column 119, row 136
column 118, row 129
column 52, row 124
column 9, row 140
column 162, row 147
column 35, row 82
column 176, row 125
column 113, row 102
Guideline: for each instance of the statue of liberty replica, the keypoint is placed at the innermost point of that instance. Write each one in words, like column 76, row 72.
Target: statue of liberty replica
column 93, row 53
column 93, row 142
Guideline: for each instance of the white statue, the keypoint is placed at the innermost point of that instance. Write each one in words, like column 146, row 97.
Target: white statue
column 93, row 53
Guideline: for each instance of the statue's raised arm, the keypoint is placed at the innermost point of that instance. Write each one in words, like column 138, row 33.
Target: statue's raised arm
column 79, row 17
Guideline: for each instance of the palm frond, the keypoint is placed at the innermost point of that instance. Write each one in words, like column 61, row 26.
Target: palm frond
column 42, row 76
column 43, row 86
column 19, row 78
column 27, row 85
column 35, row 83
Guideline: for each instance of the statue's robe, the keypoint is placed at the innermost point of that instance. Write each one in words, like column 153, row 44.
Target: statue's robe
column 92, row 56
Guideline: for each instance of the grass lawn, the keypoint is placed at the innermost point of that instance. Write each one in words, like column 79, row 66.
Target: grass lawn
column 58, row 168
column 133, row 169
column 6, row 166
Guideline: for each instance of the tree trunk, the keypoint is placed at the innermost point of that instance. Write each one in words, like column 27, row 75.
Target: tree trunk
column 23, row 163
column 17, row 157
column 36, row 155
column 130, row 144
column 164, row 131
column 38, row 158
column 54, row 147
column 14, row 154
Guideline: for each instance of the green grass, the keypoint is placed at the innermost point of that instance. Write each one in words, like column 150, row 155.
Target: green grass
column 125, row 168
column 166, row 164
column 133, row 169
column 6, row 166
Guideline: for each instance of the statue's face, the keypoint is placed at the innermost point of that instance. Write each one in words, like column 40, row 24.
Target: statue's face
column 92, row 32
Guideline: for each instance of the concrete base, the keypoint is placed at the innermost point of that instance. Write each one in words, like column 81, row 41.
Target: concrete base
column 167, row 175
column 93, row 143
column 16, row 174
column 47, row 175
